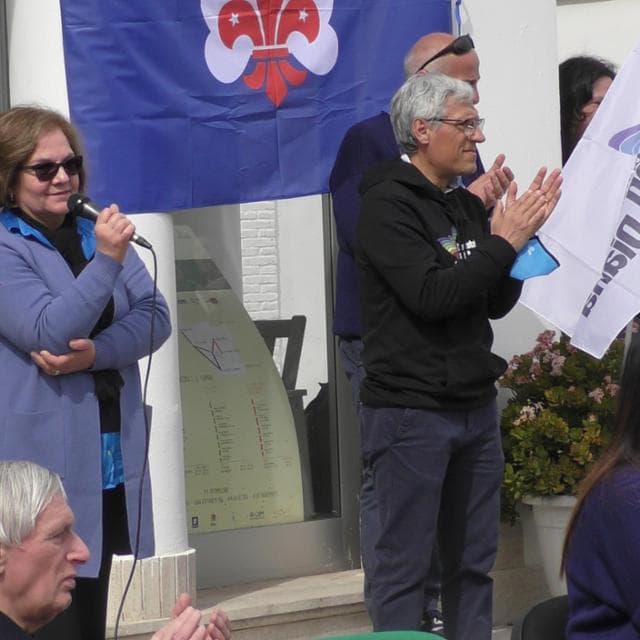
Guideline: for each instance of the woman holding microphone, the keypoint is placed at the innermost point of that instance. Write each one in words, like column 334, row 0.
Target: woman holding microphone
column 76, row 306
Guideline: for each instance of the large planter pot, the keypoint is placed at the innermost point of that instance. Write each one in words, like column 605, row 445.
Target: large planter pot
column 551, row 517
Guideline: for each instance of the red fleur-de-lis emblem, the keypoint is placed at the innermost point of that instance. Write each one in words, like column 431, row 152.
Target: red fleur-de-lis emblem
column 268, row 33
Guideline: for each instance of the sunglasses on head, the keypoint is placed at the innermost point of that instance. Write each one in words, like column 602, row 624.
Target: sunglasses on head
column 46, row 171
column 458, row 47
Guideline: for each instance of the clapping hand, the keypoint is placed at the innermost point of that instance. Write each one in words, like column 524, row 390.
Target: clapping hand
column 519, row 217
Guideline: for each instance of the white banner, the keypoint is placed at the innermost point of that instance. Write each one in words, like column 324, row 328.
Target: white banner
column 595, row 231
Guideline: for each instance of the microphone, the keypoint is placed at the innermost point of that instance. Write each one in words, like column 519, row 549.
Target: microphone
column 82, row 206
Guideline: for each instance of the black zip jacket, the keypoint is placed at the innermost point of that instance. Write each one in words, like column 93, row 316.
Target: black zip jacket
column 431, row 276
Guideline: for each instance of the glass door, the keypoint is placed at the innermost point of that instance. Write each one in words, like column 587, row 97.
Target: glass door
column 271, row 440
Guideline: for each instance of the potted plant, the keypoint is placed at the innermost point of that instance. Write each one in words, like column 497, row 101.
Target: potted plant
column 558, row 419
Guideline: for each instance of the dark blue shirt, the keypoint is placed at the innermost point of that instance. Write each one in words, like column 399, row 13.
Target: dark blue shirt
column 9, row 630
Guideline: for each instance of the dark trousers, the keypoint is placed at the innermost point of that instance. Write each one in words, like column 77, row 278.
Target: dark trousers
column 86, row 617
column 351, row 358
column 436, row 475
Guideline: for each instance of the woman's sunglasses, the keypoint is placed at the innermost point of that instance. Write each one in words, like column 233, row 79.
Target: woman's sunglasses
column 458, row 47
column 46, row 171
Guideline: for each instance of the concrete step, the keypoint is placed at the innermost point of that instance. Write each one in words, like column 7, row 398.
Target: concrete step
column 298, row 609
column 332, row 604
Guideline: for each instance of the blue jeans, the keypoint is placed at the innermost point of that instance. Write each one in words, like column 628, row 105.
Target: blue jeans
column 351, row 358
column 436, row 475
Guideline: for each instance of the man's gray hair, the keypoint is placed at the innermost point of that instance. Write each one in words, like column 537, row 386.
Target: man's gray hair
column 423, row 96
column 26, row 489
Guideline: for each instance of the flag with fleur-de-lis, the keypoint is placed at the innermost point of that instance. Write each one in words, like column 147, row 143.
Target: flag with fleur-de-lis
column 188, row 103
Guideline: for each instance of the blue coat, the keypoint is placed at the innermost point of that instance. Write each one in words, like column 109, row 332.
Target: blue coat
column 54, row 421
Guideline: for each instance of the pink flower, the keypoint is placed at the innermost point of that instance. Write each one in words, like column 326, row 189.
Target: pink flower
column 544, row 342
column 513, row 365
column 545, row 339
column 597, row 394
column 612, row 389
column 527, row 413
column 557, row 362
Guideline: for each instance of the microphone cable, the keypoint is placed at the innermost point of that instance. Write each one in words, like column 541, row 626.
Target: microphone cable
column 145, row 462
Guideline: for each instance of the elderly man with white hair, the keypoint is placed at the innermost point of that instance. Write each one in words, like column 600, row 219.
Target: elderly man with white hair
column 433, row 271
column 40, row 554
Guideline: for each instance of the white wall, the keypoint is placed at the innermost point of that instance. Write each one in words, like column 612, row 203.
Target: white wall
column 516, row 42
column 302, row 273
column 604, row 28
column 218, row 228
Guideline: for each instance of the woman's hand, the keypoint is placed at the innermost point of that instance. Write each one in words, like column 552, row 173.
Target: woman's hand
column 80, row 358
column 518, row 218
column 113, row 233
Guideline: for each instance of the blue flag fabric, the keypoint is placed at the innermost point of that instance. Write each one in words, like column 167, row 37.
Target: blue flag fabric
column 188, row 103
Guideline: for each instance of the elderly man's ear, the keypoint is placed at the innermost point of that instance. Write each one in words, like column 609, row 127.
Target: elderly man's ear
column 3, row 559
column 421, row 130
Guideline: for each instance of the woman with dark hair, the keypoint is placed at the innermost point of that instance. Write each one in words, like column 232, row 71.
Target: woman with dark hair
column 602, row 547
column 584, row 81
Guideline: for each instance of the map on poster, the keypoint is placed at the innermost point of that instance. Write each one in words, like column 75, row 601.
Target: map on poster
column 216, row 345
column 242, row 461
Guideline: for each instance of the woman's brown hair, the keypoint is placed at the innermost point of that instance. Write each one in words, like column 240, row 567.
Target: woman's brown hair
column 20, row 131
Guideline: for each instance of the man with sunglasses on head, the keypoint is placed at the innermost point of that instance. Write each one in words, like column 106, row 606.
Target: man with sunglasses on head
column 364, row 145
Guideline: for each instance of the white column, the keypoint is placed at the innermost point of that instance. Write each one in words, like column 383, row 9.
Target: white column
column 166, row 460
column 517, row 46
column 172, row 570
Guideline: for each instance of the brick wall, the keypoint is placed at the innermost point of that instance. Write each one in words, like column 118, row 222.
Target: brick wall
column 260, row 273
